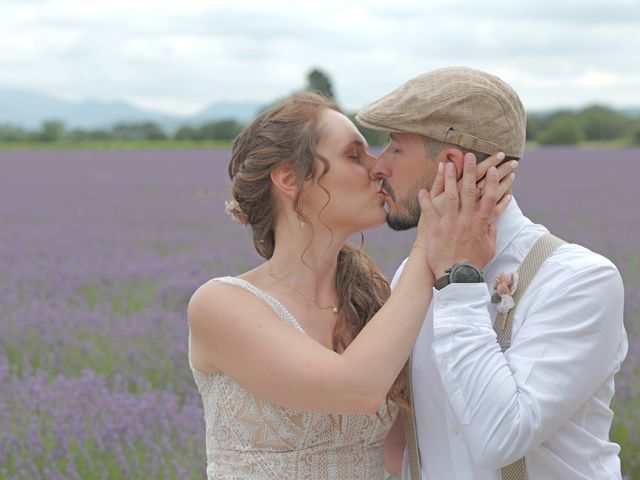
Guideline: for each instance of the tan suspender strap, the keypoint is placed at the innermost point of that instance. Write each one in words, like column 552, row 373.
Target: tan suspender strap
column 541, row 250
column 410, row 434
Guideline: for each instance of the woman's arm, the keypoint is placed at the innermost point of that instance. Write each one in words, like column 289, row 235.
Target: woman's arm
column 233, row 330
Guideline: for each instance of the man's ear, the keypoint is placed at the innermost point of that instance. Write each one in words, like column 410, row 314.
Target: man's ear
column 454, row 155
column 284, row 179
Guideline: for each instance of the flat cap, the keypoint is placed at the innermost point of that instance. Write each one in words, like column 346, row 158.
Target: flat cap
column 458, row 105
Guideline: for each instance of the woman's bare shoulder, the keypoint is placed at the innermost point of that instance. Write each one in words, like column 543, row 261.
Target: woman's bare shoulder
column 224, row 300
column 213, row 296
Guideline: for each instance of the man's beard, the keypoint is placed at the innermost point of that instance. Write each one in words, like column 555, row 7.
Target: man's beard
column 408, row 210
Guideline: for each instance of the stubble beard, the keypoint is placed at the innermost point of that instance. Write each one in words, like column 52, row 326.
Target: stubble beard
column 407, row 212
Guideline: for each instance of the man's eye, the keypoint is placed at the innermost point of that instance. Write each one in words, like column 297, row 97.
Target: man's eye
column 396, row 150
column 355, row 156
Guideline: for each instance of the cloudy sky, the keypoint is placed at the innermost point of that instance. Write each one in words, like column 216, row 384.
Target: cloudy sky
column 178, row 57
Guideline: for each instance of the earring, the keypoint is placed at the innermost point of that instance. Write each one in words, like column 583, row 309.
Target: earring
column 301, row 225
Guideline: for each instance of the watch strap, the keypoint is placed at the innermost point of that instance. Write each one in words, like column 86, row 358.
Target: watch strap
column 443, row 281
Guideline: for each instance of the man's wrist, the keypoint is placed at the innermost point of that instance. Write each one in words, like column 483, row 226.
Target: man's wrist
column 458, row 273
column 440, row 272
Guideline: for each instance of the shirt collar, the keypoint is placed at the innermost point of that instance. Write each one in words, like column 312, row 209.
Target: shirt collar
column 508, row 225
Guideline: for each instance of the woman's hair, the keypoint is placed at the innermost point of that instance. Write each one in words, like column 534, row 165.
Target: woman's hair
column 288, row 134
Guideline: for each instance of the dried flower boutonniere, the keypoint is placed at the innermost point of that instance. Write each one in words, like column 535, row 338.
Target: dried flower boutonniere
column 504, row 287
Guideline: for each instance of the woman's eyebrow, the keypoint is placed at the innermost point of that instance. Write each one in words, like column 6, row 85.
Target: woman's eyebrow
column 358, row 143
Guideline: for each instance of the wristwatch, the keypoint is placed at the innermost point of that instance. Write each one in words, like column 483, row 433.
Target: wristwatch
column 459, row 273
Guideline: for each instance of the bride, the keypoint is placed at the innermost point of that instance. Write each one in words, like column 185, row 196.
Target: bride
column 300, row 361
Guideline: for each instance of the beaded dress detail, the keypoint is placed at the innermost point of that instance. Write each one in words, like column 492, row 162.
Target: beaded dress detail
column 248, row 437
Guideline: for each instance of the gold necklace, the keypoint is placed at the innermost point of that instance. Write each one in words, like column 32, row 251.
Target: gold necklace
column 333, row 308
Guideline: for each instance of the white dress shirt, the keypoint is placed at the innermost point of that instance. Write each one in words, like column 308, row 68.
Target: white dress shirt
column 547, row 397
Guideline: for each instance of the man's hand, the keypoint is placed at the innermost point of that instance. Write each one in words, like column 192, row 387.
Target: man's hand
column 461, row 232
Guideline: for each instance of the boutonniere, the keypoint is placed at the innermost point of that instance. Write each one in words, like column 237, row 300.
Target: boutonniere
column 504, row 287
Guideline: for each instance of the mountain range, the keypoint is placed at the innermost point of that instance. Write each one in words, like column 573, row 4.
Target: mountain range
column 26, row 109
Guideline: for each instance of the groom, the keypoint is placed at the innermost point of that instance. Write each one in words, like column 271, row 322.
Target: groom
column 485, row 410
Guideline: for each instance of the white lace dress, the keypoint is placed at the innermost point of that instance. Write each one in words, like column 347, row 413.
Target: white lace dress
column 248, row 437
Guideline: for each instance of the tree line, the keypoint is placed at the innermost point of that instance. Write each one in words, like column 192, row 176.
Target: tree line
column 594, row 123
column 55, row 131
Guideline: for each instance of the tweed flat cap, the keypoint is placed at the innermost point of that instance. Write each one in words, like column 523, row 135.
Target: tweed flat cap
column 458, row 105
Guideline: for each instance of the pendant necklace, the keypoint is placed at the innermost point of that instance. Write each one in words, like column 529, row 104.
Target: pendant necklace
column 333, row 308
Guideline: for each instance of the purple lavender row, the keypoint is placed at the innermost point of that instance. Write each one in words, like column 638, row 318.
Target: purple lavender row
column 100, row 251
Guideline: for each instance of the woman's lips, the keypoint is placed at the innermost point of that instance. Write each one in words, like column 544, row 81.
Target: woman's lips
column 382, row 190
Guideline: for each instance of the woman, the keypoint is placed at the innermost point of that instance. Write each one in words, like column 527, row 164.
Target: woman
column 295, row 358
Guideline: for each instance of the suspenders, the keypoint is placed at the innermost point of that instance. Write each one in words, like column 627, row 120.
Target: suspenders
column 541, row 250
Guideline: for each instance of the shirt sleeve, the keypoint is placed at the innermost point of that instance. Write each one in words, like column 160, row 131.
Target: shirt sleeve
column 568, row 344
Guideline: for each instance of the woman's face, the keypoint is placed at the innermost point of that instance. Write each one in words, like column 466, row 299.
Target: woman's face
column 352, row 201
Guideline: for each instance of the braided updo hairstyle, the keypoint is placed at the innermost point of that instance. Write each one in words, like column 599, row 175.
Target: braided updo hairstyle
column 288, row 134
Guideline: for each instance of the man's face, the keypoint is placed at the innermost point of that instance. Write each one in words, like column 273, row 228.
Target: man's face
column 404, row 169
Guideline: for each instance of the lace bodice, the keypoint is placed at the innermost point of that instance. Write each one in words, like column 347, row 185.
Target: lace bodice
column 248, row 437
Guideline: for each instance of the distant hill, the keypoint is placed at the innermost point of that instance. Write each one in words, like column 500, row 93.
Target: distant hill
column 243, row 112
column 29, row 109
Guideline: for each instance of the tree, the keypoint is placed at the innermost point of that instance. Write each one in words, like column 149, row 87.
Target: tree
column 635, row 135
column 51, row 131
column 187, row 132
column 138, row 131
column 602, row 123
column 563, row 130
column 318, row 81
column 10, row 133
column 221, row 130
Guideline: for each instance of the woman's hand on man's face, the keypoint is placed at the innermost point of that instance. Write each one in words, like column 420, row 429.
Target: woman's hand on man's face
column 505, row 177
column 461, row 230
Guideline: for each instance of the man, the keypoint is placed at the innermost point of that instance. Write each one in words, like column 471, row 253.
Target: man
column 546, row 398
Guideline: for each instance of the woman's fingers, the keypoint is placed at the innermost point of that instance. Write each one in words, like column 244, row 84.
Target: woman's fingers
column 490, row 197
column 503, row 170
column 451, row 197
column 438, row 183
column 503, row 187
column 500, row 207
column 468, row 193
column 487, row 163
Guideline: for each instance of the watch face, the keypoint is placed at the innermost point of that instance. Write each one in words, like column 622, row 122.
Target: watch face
column 464, row 273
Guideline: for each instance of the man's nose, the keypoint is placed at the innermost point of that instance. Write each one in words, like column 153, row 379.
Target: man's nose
column 380, row 167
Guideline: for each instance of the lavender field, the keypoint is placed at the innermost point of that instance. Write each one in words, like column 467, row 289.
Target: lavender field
column 101, row 250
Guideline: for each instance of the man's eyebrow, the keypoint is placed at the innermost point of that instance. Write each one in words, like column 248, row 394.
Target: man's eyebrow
column 393, row 136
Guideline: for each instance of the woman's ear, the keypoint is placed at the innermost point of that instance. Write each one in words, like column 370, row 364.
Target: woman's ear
column 454, row 155
column 284, row 179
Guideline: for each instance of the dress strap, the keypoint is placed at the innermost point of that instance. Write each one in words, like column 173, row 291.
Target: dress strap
column 275, row 305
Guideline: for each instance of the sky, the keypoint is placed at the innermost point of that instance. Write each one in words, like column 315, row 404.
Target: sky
column 179, row 57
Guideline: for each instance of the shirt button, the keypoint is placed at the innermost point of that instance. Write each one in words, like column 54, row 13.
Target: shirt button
column 443, row 304
column 455, row 428
column 445, row 361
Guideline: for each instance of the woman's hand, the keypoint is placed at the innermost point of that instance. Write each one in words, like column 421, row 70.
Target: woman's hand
column 505, row 177
column 462, row 232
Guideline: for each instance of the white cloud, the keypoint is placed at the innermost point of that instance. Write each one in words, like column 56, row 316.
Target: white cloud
column 181, row 56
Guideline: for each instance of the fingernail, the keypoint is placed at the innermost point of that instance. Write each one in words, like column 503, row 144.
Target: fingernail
column 508, row 197
column 500, row 156
column 512, row 176
column 514, row 164
column 451, row 167
column 440, row 167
